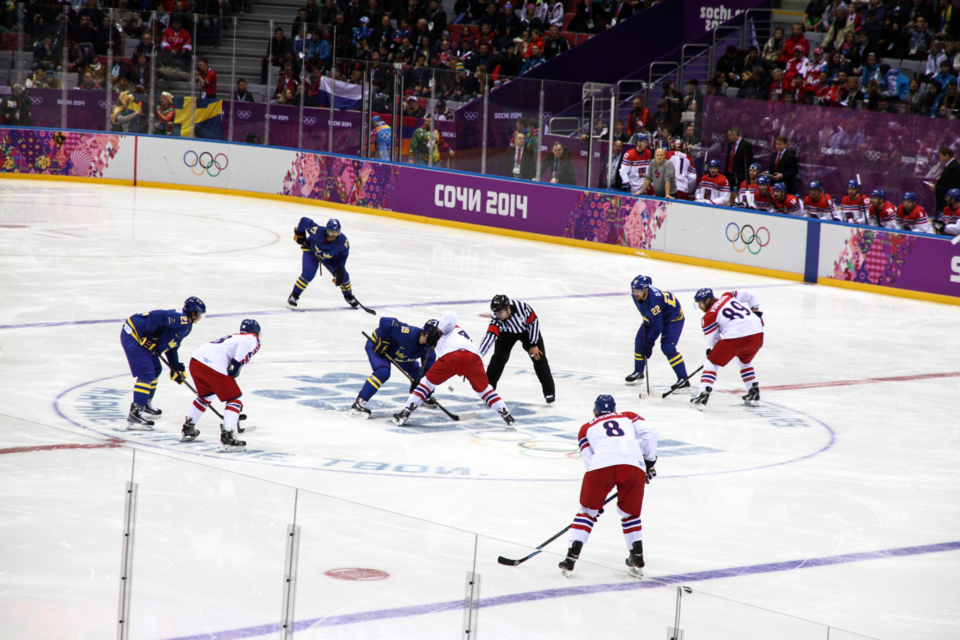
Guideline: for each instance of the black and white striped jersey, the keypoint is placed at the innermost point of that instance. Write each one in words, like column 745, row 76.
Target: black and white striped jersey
column 522, row 320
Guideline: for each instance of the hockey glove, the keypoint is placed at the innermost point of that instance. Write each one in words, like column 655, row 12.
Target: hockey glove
column 150, row 344
column 708, row 352
column 234, row 369
column 300, row 238
column 651, row 471
column 758, row 313
column 647, row 350
column 413, row 385
column 178, row 372
column 340, row 274
column 381, row 347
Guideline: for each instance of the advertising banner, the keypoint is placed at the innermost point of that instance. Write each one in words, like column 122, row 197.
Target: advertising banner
column 67, row 153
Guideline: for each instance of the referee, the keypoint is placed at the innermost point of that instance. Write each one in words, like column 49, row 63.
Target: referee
column 514, row 320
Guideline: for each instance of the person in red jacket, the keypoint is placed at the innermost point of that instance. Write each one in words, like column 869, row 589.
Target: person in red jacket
column 797, row 39
column 784, row 202
column 912, row 216
column 176, row 45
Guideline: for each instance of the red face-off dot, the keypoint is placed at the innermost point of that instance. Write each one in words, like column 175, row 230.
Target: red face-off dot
column 357, row 574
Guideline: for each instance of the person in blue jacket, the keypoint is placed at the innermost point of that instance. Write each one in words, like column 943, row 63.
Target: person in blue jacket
column 144, row 338
column 662, row 318
column 322, row 245
column 407, row 346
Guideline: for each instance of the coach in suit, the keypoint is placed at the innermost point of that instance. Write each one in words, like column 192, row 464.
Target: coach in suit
column 949, row 179
column 784, row 166
column 523, row 162
column 739, row 157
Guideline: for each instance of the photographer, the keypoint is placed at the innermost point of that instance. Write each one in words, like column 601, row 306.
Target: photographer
column 206, row 79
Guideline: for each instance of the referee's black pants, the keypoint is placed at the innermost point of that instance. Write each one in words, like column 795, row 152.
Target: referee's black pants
column 501, row 354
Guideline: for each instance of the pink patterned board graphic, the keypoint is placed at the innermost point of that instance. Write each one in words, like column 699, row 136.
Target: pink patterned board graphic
column 340, row 180
column 629, row 222
column 58, row 153
column 873, row 257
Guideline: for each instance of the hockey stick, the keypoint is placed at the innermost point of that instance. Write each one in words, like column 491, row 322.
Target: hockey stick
column 360, row 304
column 677, row 385
column 456, row 418
column 243, row 416
column 513, row 563
column 866, row 215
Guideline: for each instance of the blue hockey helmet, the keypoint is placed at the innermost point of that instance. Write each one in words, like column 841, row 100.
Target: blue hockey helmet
column 640, row 283
column 910, row 195
column 853, row 184
column 431, row 329
column 780, row 187
column 333, row 224
column 756, row 167
column 193, row 305
column 953, row 193
column 815, row 186
column 604, row 404
column 703, row 295
column 250, row 326
column 878, row 193
column 713, row 163
column 763, row 180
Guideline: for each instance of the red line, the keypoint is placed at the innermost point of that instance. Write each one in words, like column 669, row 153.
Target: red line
column 846, row 383
column 52, row 447
column 136, row 146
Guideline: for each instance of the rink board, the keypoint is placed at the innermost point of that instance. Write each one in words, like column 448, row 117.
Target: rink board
column 904, row 264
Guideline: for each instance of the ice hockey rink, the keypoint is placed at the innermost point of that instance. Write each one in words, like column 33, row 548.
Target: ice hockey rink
column 833, row 504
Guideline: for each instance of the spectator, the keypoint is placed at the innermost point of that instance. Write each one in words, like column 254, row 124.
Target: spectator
column 510, row 25
column 146, row 46
column 619, row 132
column 949, row 177
column 784, row 166
column 946, row 75
column 140, row 73
column 241, row 94
column 813, row 16
column 442, row 113
column 666, row 117
column 177, row 45
column 777, row 86
column 44, row 55
column 620, row 11
column 126, row 114
column 911, row 216
column 672, row 96
column 949, row 21
column 426, row 144
column 692, row 97
column 561, row 166
column 586, row 18
column 89, row 84
column 935, row 57
column 599, row 131
column 556, row 14
column 837, row 33
column 895, row 84
column 774, row 47
column 319, row 52
column 797, row 65
column 37, row 81
column 206, row 79
column 739, row 157
column 275, row 50
column 919, row 38
column 510, row 63
column 533, row 61
column 436, row 20
column 661, row 176
column 931, row 99
column 554, row 45
column 524, row 160
column 871, row 70
column 797, row 39
column 727, row 65
column 288, row 97
column 287, row 82
column 412, row 108
column 610, row 177
column 10, row 113
column 165, row 115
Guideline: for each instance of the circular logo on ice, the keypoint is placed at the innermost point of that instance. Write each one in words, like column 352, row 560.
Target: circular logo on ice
column 290, row 404
column 746, row 239
column 205, row 161
column 471, row 116
column 244, row 115
column 309, row 121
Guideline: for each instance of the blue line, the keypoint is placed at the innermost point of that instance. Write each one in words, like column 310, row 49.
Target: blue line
column 66, row 323
column 547, row 594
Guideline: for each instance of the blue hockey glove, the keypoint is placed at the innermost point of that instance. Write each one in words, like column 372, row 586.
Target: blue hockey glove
column 178, row 372
column 150, row 344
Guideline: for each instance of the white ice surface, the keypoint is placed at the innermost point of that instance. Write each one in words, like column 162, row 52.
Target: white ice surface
column 818, row 472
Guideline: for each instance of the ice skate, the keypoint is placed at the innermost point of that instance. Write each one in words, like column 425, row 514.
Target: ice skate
column 681, row 384
column 505, row 414
column 700, row 402
column 573, row 553
column 292, row 302
column 752, row 399
column 358, row 410
column 136, row 421
column 151, row 410
column 351, row 301
column 400, row 418
column 634, row 378
column 189, row 432
column 635, row 559
column 550, row 399
column 430, row 403
column 230, row 444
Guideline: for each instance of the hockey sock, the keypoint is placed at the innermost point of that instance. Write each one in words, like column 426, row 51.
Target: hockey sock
column 632, row 529
column 300, row 287
column 639, row 362
column 198, row 408
column 709, row 376
column 492, row 398
column 374, row 382
column 143, row 391
column 676, row 360
column 582, row 525
column 748, row 375
column 231, row 414
column 421, row 393
column 347, row 290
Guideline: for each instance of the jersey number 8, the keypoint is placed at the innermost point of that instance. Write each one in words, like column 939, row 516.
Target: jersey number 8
column 730, row 314
column 612, row 428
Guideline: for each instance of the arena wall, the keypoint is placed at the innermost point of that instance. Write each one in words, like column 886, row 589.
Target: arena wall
column 902, row 264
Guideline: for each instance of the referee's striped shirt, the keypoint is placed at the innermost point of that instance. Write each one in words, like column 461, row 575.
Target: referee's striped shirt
column 522, row 320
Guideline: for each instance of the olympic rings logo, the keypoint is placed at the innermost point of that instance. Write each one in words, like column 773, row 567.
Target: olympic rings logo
column 244, row 115
column 104, row 104
column 748, row 238
column 36, row 100
column 471, row 115
column 309, row 121
column 209, row 164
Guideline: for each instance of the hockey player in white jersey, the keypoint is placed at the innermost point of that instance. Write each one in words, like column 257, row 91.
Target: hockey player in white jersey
column 214, row 368
column 456, row 356
column 612, row 446
column 734, row 330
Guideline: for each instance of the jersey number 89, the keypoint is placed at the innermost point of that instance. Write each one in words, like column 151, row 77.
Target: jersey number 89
column 730, row 314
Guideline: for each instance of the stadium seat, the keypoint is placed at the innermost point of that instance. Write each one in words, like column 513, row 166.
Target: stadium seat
column 128, row 46
column 583, row 37
column 567, row 19
column 814, row 38
column 22, row 60
column 456, row 30
column 913, row 68
column 569, row 37
column 6, row 60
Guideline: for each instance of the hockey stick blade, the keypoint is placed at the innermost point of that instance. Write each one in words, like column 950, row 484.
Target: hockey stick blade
column 512, row 563
column 470, row 415
column 360, row 304
column 246, row 429
column 676, row 387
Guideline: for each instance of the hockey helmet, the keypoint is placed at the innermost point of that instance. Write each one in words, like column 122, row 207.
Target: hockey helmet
column 250, row 326
column 194, row 305
column 640, row 283
column 756, row 167
column 499, row 303
column 878, row 193
column 953, row 193
column 604, row 404
column 333, row 225
column 763, row 180
column 780, row 187
column 677, row 144
column 815, row 186
column 910, row 195
column 703, row 295
column 713, row 163
column 853, row 184
column 432, row 331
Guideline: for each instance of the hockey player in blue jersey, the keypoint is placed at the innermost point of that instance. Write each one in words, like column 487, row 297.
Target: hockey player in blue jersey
column 409, row 349
column 145, row 337
column 324, row 245
column 662, row 318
